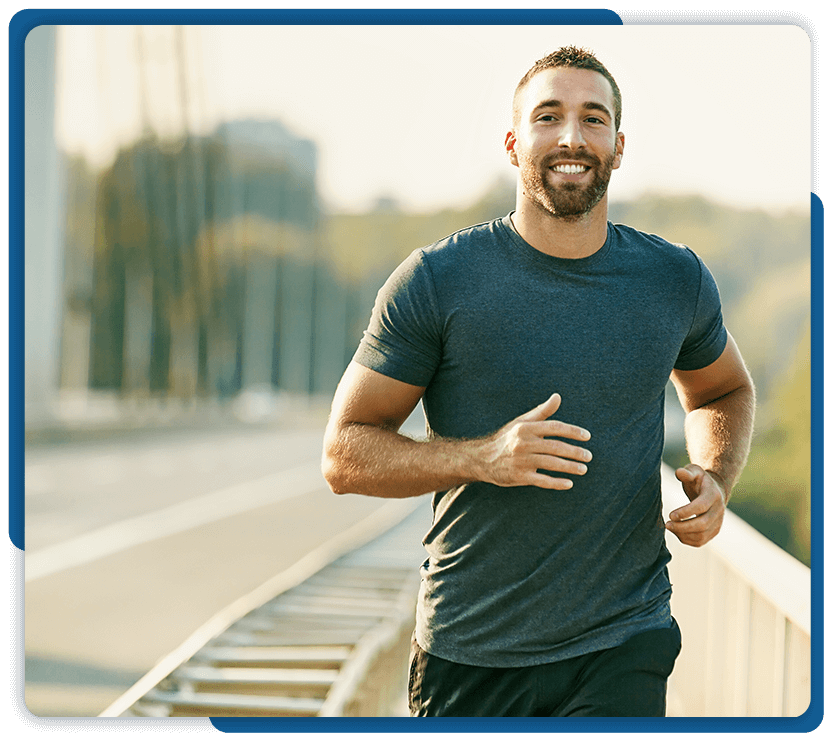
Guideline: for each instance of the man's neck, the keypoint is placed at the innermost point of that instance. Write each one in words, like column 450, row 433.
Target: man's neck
column 561, row 238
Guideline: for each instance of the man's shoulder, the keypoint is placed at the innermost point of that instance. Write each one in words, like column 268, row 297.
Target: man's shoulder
column 648, row 239
column 471, row 237
column 652, row 246
column 452, row 258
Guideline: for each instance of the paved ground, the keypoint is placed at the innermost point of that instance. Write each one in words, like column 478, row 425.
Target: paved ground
column 163, row 531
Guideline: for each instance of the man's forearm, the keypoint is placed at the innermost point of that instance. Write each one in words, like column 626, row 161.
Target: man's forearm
column 371, row 460
column 718, row 435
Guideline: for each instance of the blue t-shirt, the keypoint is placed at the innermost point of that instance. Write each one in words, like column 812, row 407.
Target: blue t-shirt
column 492, row 327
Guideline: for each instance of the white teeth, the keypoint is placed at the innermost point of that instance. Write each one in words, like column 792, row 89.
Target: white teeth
column 569, row 169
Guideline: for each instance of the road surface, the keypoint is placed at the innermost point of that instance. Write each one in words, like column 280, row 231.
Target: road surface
column 133, row 543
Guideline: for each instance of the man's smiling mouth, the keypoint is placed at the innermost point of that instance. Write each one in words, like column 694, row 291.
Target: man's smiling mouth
column 568, row 169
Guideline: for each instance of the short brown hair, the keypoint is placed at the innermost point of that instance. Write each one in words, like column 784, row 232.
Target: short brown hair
column 578, row 58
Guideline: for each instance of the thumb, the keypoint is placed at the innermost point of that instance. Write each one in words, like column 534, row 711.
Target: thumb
column 691, row 478
column 688, row 473
column 544, row 410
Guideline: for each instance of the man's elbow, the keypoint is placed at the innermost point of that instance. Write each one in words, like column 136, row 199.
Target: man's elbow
column 335, row 469
column 337, row 466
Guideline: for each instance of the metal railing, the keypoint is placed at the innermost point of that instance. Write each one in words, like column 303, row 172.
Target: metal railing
column 330, row 637
column 743, row 605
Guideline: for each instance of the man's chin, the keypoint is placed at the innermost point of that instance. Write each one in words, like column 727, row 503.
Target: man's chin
column 571, row 209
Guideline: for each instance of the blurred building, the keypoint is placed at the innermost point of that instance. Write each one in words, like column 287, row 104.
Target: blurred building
column 202, row 273
column 190, row 266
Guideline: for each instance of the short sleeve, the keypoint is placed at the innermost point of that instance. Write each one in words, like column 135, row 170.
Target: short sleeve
column 403, row 339
column 707, row 336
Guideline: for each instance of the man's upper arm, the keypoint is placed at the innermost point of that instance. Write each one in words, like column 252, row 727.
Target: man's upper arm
column 699, row 387
column 367, row 411
column 370, row 398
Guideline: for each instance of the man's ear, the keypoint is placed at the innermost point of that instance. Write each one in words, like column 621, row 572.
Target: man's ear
column 509, row 145
column 620, row 148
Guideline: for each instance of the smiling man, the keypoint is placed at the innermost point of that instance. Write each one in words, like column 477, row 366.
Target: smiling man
column 541, row 344
column 584, row 169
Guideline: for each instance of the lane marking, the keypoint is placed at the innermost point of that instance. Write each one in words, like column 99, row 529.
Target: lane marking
column 232, row 500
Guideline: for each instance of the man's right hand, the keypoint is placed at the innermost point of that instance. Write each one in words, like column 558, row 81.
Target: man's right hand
column 514, row 455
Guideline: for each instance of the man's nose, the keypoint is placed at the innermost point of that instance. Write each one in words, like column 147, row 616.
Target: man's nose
column 570, row 134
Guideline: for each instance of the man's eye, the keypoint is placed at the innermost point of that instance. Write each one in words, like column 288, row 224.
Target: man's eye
column 594, row 120
column 547, row 117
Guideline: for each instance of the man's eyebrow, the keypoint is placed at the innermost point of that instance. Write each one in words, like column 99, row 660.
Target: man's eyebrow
column 589, row 105
column 593, row 106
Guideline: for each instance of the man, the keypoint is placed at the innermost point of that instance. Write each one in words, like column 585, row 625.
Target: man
column 541, row 344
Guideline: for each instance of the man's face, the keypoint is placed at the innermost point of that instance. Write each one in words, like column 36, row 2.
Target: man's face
column 564, row 141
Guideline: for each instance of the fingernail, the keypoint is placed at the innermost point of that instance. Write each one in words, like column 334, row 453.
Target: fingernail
column 582, row 468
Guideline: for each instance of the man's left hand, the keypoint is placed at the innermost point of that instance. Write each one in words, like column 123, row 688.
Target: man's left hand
column 700, row 520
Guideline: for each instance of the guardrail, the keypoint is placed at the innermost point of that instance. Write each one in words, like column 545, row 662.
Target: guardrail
column 743, row 605
column 328, row 637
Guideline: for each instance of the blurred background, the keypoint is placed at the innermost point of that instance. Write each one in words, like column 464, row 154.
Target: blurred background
column 210, row 211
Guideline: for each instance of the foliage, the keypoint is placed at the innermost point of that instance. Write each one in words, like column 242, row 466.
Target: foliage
column 774, row 490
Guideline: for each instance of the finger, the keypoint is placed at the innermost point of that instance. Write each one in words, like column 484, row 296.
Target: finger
column 544, row 410
column 563, row 450
column 698, row 524
column 695, row 537
column 698, row 530
column 555, row 464
column 562, row 430
column 705, row 495
column 696, row 507
column 696, row 481
column 545, row 481
column 690, row 474
column 693, row 509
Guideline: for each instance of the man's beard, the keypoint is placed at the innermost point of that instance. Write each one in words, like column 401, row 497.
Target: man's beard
column 568, row 201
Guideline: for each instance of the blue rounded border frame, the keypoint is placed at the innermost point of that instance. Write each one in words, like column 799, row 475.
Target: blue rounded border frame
column 25, row 20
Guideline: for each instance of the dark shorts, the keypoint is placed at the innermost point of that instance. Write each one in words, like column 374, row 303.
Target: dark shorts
column 628, row 680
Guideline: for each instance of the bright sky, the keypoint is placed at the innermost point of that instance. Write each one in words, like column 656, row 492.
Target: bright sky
column 420, row 113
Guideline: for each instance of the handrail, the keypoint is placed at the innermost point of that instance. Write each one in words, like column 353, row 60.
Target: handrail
column 380, row 521
column 743, row 605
